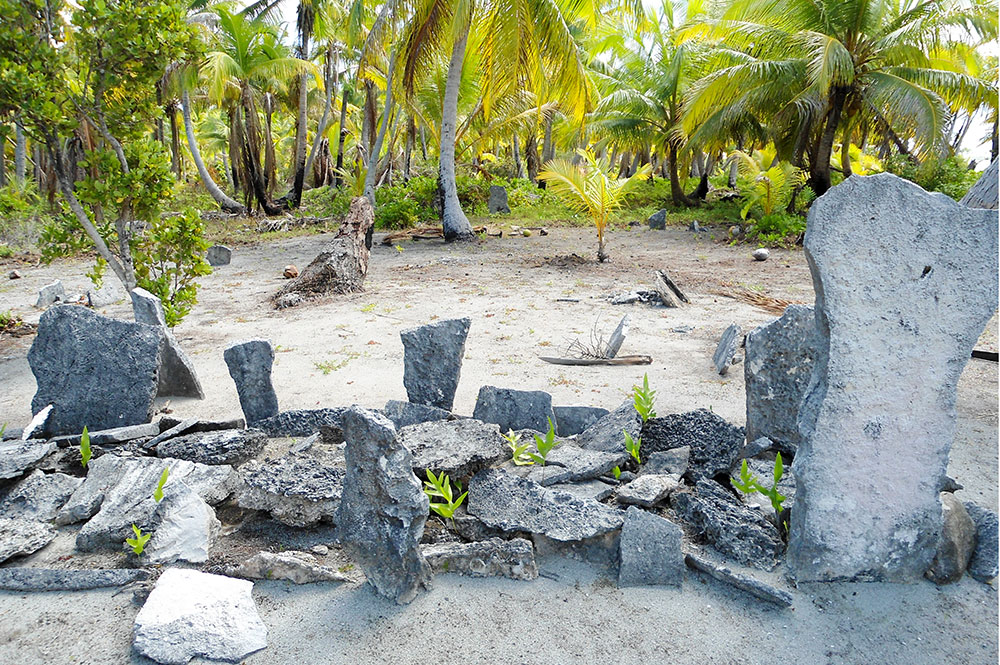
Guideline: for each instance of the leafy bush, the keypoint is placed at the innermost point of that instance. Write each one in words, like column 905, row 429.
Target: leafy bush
column 21, row 213
column 949, row 176
column 777, row 229
column 400, row 214
column 169, row 258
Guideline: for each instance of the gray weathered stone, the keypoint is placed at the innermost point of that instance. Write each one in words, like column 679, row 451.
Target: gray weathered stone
column 753, row 586
column 231, row 446
column 497, row 203
column 96, row 371
column 39, row 496
column 504, row 501
column 588, row 490
column 218, row 255
column 192, row 425
column 297, row 489
column 48, row 579
column 725, row 353
column 184, row 527
column 650, row 551
column 674, row 461
column 296, row 567
column 515, row 409
column 958, row 540
column 403, row 414
column 36, row 426
column 250, row 366
column 897, row 324
column 617, row 337
column 756, row 447
column 761, row 254
column 109, row 293
column 458, row 448
column 19, row 537
column 490, row 558
column 432, row 361
column 606, row 433
column 569, row 463
column 572, row 420
column 384, row 508
column 110, row 437
column 305, row 422
column 50, row 294
column 983, row 565
column 191, row 614
column 729, row 526
column 779, row 361
column 177, row 377
column 658, row 220
column 647, row 490
column 18, row 456
column 715, row 444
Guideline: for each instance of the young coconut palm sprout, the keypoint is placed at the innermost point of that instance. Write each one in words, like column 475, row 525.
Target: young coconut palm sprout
column 588, row 188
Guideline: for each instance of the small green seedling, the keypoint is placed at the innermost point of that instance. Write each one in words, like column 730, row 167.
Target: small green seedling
column 749, row 483
column 138, row 544
column 518, row 451
column 3, row 428
column 85, row 451
column 618, row 472
column 632, row 446
column 643, row 399
column 158, row 492
column 544, row 446
column 439, row 487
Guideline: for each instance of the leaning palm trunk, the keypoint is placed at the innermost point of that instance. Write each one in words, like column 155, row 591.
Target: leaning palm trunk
column 20, row 153
column 372, row 171
column 819, row 175
column 676, row 192
column 295, row 196
column 331, row 84
column 220, row 197
column 257, row 183
column 454, row 222
column 337, row 179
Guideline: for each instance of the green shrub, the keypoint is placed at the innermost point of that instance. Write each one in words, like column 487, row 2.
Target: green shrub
column 169, row 258
column 22, row 212
column 399, row 214
column 949, row 176
column 777, row 229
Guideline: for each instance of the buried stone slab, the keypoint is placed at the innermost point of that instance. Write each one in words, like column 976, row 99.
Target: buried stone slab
column 515, row 409
column 232, row 446
column 897, row 324
column 250, row 366
column 650, row 551
column 176, row 377
column 305, row 422
column 458, row 448
column 296, row 567
column 778, row 364
column 983, row 565
column 184, row 527
column 432, row 361
column 747, row 583
column 715, row 444
column 297, row 489
column 39, row 496
column 384, row 508
column 191, row 614
column 404, row 414
column 725, row 353
column 674, row 461
column 48, row 579
column 606, row 434
column 572, row 420
column 95, row 371
column 495, row 557
column 648, row 490
column 18, row 456
column 504, row 501
column 19, row 537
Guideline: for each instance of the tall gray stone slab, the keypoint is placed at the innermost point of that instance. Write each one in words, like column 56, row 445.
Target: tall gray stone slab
column 177, row 377
column 383, row 508
column 514, row 409
column 778, row 364
column 95, row 371
column 250, row 366
column 905, row 281
column 432, row 361
column 497, row 203
column 650, row 551
column 726, row 351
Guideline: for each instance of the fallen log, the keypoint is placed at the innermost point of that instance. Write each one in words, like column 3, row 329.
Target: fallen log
column 599, row 362
column 421, row 233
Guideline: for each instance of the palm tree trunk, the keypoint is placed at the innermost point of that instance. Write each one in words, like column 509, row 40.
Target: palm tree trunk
column 251, row 155
column 411, row 136
column 995, row 141
column 548, row 149
column 338, row 178
column 175, row 141
column 531, row 157
column 220, row 197
column 676, row 191
column 819, row 177
column 372, row 171
column 295, row 195
column 516, row 154
column 331, row 84
column 454, row 222
column 270, row 160
column 20, row 153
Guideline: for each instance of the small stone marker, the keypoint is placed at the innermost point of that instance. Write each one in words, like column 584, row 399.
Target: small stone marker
column 726, row 351
column 50, row 294
column 761, row 254
column 432, row 361
column 958, row 539
column 514, row 409
column 250, row 366
column 650, row 550
column 383, row 509
column 177, row 377
column 218, row 255
column 658, row 220
column 906, row 282
column 618, row 337
column 498, row 200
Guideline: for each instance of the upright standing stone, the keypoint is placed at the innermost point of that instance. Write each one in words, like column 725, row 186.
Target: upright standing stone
column 432, row 361
column 250, row 366
column 498, row 200
column 176, row 377
column 726, row 350
column 218, row 255
column 95, row 371
column 383, row 508
column 650, row 551
column 778, row 364
column 905, row 282
column 658, row 220
column 50, row 294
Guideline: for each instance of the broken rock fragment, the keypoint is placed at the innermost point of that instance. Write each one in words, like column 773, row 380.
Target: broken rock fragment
column 432, row 361
column 650, row 551
column 495, row 557
column 19, row 537
column 458, row 448
column 715, row 444
column 39, row 496
column 297, row 489
column 231, row 446
column 296, row 567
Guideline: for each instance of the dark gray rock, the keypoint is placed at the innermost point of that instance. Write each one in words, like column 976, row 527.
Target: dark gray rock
column 498, row 200
column 572, row 420
column 403, row 414
column 648, row 490
column 50, row 294
column 658, row 220
column 715, row 444
column 384, row 508
column 232, row 446
column 458, row 448
column 730, row 527
column 778, row 364
column 650, row 551
column 250, row 366
column 958, row 540
column 569, row 463
column 897, row 325
column 983, row 565
column 192, row 425
column 617, row 337
column 751, row 585
column 756, row 447
column 218, row 255
column 96, row 371
column 110, row 437
column 513, row 558
column 19, row 537
column 606, row 433
column 49, row 579
column 725, row 353
column 39, row 496
column 504, row 501
column 16, row 457
column 305, row 422
column 297, row 489
column 515, row 409
column 432, row 361
column 177, row 377
column 588, row 490
column 674, row 461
